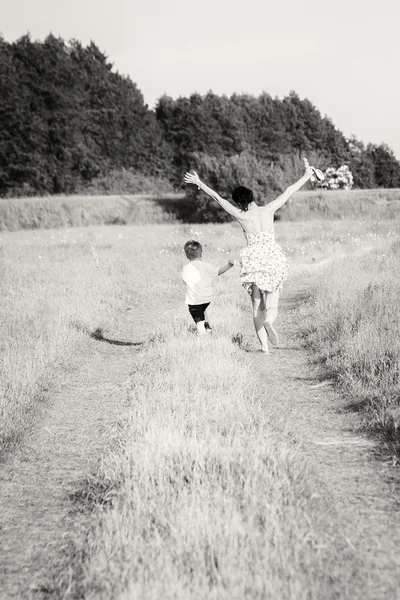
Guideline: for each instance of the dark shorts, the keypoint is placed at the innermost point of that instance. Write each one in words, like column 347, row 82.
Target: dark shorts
column 197, row 311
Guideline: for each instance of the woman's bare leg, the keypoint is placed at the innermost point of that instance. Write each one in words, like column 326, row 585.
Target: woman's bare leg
column 259, row 317
column 207, row 322
column 271, row 301
column 201, row 327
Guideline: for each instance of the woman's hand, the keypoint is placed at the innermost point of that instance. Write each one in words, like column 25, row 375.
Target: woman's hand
column 316, row 174
column 309, row 170
column 192, row 178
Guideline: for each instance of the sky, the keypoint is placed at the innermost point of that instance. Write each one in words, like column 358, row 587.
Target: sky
column 344, row 56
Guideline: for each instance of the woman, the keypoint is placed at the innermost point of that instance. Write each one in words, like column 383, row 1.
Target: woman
column 264, row 265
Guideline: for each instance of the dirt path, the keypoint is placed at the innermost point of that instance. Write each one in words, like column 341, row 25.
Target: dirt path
column 363, row 487
column 37, row 480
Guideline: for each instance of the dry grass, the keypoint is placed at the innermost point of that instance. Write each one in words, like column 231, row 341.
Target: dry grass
column 204, row 497
column 76, row 211
column 57, row 286
column 376, row 204
column 51, row 295
column 351, row 322
column 155, row 208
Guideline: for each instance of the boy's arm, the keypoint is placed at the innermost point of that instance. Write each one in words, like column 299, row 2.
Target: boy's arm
column 226, row 268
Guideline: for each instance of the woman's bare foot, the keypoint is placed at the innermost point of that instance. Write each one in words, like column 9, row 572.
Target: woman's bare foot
column 263, row 350
column 271, row 333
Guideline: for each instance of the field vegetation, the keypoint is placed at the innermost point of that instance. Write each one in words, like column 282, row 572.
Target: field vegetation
column 154, row 207
column 207, row 499
column 59, row 285
column 198, row 465
column 351, row 323
column 76, row 211
column 52, row 295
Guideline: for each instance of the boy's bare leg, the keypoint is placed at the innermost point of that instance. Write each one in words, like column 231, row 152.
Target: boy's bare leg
column 271, row 301
column 207, row 322
column 259, row 317
column 201, row 327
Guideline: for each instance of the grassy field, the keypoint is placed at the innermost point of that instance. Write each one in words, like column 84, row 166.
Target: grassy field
column 198, row 467
column 75, row 211
column 208, row 500
column 56, row 286
column 351, row 322
column 377, row 204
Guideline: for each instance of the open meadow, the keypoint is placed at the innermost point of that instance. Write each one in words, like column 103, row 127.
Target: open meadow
column 200, row 490
column 52, row 212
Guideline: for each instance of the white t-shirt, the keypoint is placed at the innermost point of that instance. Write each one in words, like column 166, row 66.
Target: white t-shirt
column 198, row 276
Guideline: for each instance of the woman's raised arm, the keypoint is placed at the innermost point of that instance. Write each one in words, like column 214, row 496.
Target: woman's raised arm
column 194, row 179
column 280, row 200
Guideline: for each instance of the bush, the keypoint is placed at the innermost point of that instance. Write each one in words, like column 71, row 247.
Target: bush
column 224, row 174
column 266, row 179
column 337, row 179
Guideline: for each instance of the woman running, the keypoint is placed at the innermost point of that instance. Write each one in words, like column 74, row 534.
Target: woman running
column 264, row 264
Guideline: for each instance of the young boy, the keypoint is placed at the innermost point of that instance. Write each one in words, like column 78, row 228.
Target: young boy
column 198, row 276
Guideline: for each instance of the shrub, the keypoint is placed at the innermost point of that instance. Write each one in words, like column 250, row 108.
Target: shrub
column 337, row 179
column 224, row 174
column 266, row 179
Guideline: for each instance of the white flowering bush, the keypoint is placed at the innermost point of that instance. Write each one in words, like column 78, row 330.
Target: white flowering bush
column 338, row 179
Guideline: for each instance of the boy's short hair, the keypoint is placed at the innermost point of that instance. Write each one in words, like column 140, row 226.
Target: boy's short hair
column 193, row 249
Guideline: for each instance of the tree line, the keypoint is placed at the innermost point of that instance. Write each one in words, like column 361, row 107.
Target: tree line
column 67, row 117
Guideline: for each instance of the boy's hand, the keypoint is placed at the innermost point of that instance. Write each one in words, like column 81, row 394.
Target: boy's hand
column 226, row 267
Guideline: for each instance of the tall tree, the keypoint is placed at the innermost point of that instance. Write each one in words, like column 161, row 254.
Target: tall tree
column 387, row 167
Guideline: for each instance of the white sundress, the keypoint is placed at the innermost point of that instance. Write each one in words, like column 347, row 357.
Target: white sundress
column 263, row 262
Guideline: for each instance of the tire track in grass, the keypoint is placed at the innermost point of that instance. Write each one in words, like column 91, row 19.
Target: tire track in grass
column 36, row 483
column 363, row 488
column 38, row 480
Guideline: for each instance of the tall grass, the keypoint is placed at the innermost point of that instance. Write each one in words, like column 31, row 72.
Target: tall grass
column 58, row 286
column 201, row 496
column 76, row 211
column 351, row 322
column 51, row 296
column 156, row 207
column 204, row 498
column 376, row 204
column 55, row 289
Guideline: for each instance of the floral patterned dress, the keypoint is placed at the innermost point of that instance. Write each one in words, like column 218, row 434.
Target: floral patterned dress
column 263, row 262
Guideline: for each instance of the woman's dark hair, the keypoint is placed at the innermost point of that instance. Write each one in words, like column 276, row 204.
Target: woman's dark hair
column 242, row 196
